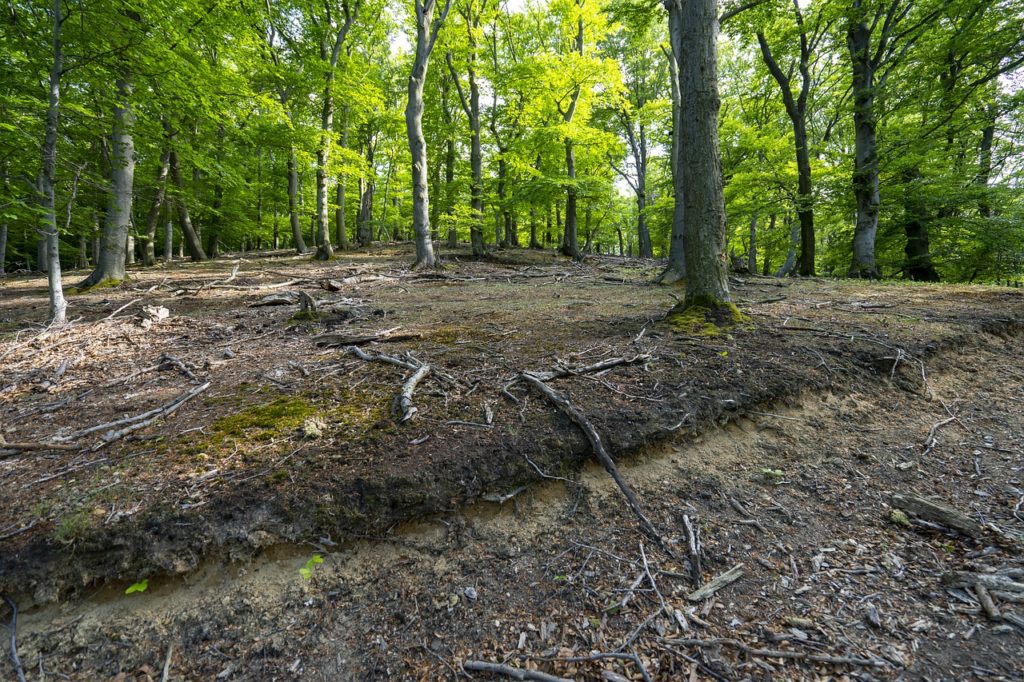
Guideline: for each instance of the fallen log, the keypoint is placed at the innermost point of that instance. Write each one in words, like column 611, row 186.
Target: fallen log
column 938, row 513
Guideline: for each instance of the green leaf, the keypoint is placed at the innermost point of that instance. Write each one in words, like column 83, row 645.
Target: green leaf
column 140, row 586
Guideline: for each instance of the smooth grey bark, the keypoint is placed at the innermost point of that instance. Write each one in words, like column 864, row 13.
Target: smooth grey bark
column 637, row 140
column 330, row 56
column 190, row 239
column 116, row 229
column 293, row 202
column 699, row 162
column 48, row 181
column 168, row 238
column 3, row 221
column 471, row 107
column 153, row 217
column 794, row 239
column 752, row 246
column 570, row 241
column 449, row 171
column 796, row 109
column 865, row 157
column 427, row 28
column 367, row 186
column 676, row 268
column 341, row 235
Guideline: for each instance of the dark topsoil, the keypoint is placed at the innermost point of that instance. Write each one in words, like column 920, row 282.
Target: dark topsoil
column 296, row 442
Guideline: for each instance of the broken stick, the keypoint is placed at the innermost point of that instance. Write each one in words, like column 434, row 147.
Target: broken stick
column 602, row 455
column 509, row 671
column 406, row 408
column 727, row 578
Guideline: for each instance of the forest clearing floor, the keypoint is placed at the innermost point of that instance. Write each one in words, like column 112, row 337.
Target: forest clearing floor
column 480, row 529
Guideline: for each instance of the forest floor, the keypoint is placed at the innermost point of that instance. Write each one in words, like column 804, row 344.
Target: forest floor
column 290, row 527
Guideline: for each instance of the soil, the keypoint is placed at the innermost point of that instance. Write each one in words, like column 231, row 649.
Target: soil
column 480, row 529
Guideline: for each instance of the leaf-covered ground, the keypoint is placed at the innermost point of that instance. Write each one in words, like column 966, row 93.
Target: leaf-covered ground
column 806, row 417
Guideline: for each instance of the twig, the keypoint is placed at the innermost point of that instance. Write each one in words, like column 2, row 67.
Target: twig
column 544, row 475
column 509, row 671
column 588, row 429
column 930, row 442
column 159, row 413
column 603, row 655
column 170, row 649
column 778, row 653
column 13, row 627
column 114, row 314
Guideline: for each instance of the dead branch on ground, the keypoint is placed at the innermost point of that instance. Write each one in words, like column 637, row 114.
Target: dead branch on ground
column 777, row 653
column 509, row 671
column 597, row 445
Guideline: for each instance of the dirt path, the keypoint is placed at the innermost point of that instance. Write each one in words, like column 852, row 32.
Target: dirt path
column 826, row 570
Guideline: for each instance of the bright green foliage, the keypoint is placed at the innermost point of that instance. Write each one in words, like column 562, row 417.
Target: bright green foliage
column 235, row 89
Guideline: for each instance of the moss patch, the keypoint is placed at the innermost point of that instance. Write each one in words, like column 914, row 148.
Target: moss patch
column 102, row 284
column 263, row 422
column 706, row 318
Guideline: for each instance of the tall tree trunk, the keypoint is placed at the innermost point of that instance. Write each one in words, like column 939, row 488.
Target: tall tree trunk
column 213, row 234
column 58, row 304
column 796, row 109
column 919, row 266
column 323, row 230
column 113, row 253
column 190, row 239
column 365, row 220
column 704, row 213
column 570, row 241
column 293, row 202
column 794, row 239
column 426, row 34
column 988, row 134
column 752, row 246
column 449, row 181
column 534, row 244
column 676, row 269
column 153, row 217
column 168, row 238
column 865, row 164
column 3, row 220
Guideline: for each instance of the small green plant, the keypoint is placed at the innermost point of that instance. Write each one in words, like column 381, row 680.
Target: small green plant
column 307, row 571
column 140, row 586
column 773, row 474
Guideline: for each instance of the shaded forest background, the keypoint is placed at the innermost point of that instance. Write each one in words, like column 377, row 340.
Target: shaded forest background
column 233, row 126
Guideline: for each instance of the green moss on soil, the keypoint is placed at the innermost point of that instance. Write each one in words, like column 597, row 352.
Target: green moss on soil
column 706, row 317
column 263, row 422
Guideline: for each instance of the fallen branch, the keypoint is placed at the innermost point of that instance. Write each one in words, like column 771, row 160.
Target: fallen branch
column 565, row 371
column 406, row 408
column 941, row 514
column 385, row 336
column 509, row 671
column 139, row 423
column 13, row 627
column 727, row 578
column 930, row 442
column 778, row 653
column 590, row 432
column 693, row 541
column 27, row 447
